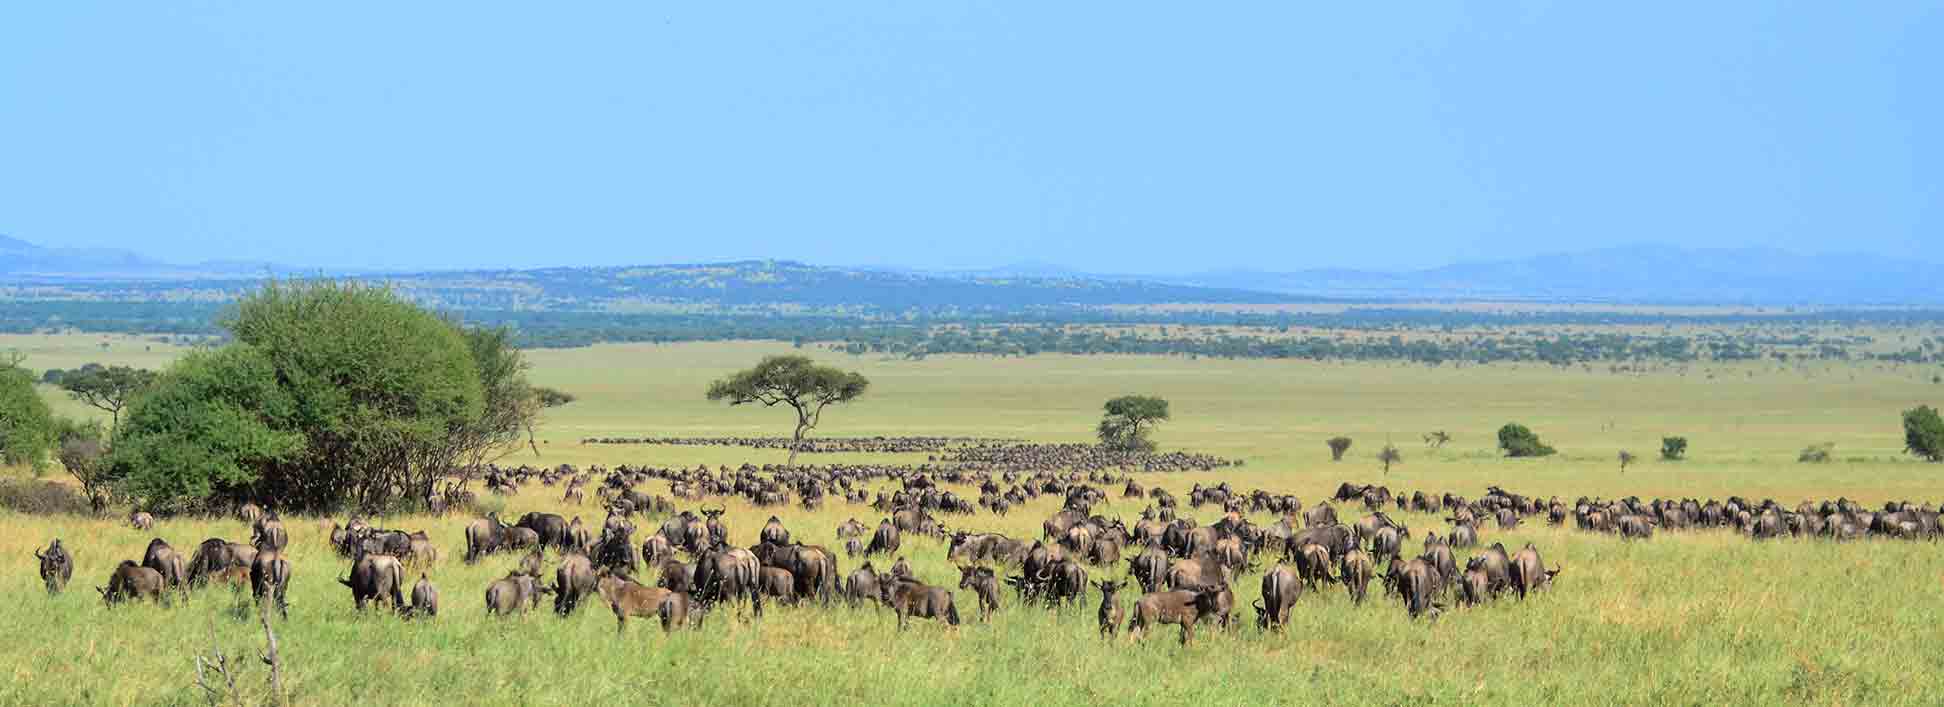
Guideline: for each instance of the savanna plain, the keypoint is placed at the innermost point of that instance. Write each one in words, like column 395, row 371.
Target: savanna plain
column 1686, row 617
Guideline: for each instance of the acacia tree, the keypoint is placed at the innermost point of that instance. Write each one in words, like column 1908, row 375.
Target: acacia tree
column 1128, row 420
column 1673, row 448
column 107, row 388
column 79, row 452
column 1626, row 458
column 1924, row 433
column 1390, row 455
column 795, row 381
column 1338, row 445
column 1437, row 439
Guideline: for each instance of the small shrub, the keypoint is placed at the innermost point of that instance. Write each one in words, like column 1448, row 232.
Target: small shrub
column 1817, row 453
column 1338, row 445
column 41, row 498
column 1673, row 448
column 1519, row 441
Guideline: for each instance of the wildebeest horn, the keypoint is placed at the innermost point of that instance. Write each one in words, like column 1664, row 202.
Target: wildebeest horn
column 37, row 555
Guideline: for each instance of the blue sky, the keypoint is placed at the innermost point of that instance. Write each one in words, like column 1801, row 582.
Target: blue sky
column 1127, row 137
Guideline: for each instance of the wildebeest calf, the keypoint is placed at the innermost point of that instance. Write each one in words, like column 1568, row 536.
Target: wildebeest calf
column 1183, row 607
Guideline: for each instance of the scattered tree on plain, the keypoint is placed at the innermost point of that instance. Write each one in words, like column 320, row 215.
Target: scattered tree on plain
column 1673, row 449
column 795, row 381
column 1437, row 440
column 1626, row 459
column 1338, row 446
column 79, row 450
column 1817, row 453
column 1129, row 419
column 1519, row 441
column 1390, row 455
column 1924, row 433
column 26, row 424
column 107, row 388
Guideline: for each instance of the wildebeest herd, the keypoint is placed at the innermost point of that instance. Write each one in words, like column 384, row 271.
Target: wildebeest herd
column 683, row 568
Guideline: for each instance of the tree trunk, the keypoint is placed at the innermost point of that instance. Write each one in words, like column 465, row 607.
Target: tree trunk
column 270, row 656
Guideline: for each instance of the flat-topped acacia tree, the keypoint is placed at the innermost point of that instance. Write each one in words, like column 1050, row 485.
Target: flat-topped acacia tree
column 795, row 381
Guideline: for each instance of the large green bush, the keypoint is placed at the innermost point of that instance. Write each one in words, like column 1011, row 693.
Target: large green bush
column 1924, row 433
column 26, row 425
column 1519, row 441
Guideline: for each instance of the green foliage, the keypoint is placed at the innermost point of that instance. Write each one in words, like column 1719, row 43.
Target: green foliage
column 1338, row 447
column 1673, row 448
column 1129, row 419
column 1390, row 455
column 1924, row 433
column 509, row 406
column 795, row 381
column 107, row 388
column 1519, row 441
column 212, row 425
column 79, row 447
column 1817, row 453
column 26, row 424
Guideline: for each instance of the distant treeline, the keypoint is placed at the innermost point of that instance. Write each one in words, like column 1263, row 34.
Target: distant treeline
column 1363, row 334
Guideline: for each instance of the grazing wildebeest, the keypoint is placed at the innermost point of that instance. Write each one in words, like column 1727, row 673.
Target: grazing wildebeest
column 853, row 547
column 483, row 536
column 777, row 583
column 1280, row 589
column 1474, row 587
column 655, row 549
column 1313, row 561
column 141, row 520
column 984, row 584
column 269, row 529
column 531, row 563
column 270, row 576
column 676, row 575
column 1418, row 582
column 1528, row 573
column 901, row 568
column 1355, row 570
column 909, row 597
column 377, row 577
column 1497, row 567
column 56, row 566
column 1183, row 607
column 886, row 540
column 774, row 533
column 862, row 585
column 166, row 562
column 132, row 582
column 1388, row 541
column 1196, row 572
column 573, row 580
column 1149, row 568
column 425, row 597
column 728, row 576
column 1110, row 613
column 513, row 594
column 550, row 528
column 629, row 598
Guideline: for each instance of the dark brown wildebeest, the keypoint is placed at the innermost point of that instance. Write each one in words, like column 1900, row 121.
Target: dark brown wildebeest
column 1418, row 582
column 1497, row 566
column 1463, row 535
column 270, row 577
column 675, row 575
column 984, row 584
column 1354, row 571
column 425, row 597
column 1528, row 573
column 1439, row 554
column 1149, row 568
column 56, row 566
column 1198, row 572
column 1183, row 607
column 728, row 576
column 655, row 549
column 377, row 578
column 573, row 581
column 132, row 582
column 862, row 585
column 531, row 563
column 1110, row 613
column 1280, row 589
column 269, row 530
column 1313, row 561
column 520, row 538
column 1388, row 541
column 910, row 597
column 550, row 528
column 1321, row 516
column 901, row 569
column 513, row 594
column 853, row 547
column 1474, row 587
column 484, row 536
column 629, row 598
column 166, row 562
column 774, row 533
column 850, row 529
column 886, row 540
column 777, row 583
column 141, row 520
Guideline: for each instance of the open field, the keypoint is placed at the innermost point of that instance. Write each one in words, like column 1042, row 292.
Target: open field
column 1690, row 618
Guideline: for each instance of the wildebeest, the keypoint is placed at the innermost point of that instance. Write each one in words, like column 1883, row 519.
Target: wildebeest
column 1528, row 573
column 377, row 578
column 56, row 566
column 513, row 594
column 269, row 529
column 520, row 538
column 551, row 529
column 166, row 562
column 1313, row 561
column 141, row 520
column 1110, row 613
column 270, row 577
column 910, row 597
column 531, row 563
column 1280, row 589
column 1418, row 582
column 1149, row 568
column 1497, row 567
column 774, row 533
column 573, row 580
column 1183, row 607
column 676, row 575
column 862, row 585
column 425, row 597
column 1354, row 571
column 483, row 536
column 629, row 598
column 728, row 576
column 983, row 584
column 776, row 583
column 1197, row 572
column 1474, row 587
column 886, row 540
column 132, row 582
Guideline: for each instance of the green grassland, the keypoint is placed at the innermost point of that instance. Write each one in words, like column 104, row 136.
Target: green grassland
column 1686, row 618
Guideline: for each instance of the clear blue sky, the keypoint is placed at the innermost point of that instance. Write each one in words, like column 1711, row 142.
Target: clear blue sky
column 1156, row 137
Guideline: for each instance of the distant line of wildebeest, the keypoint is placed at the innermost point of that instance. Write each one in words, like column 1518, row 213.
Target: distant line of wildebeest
column 1184, row 569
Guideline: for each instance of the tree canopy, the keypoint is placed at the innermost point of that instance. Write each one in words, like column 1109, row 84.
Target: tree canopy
column 26, row 423
column 107, row 388
column 1129, row 419
column 795, row 381
column 1924, row 433
column 1519, row 441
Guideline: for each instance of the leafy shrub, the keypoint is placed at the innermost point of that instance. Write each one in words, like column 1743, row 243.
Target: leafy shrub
column 1817, row 453
column 35, row 497
column 1519, row 441
column 1338, row 446
column 1924, row 433
column 1673, row 448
